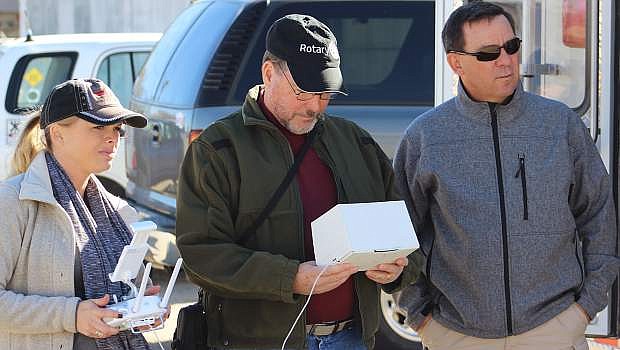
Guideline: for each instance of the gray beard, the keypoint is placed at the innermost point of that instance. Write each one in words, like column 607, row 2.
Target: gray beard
column 300, row 131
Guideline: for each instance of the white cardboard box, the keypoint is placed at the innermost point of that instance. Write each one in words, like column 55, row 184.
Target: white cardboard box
column 363, row 234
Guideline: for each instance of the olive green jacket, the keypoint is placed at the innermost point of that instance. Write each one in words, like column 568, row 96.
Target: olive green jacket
column 229, row 173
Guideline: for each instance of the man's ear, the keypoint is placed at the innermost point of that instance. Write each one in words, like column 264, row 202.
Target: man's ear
column 267, row 72
column 454, row 61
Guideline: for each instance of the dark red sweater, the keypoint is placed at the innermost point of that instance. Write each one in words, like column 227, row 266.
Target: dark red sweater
column 318, row 194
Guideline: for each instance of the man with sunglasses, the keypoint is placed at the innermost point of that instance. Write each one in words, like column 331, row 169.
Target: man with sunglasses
column 258, row 275
column 511, row 203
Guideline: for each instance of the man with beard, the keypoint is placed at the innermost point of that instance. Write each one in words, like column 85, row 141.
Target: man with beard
column 257, row 274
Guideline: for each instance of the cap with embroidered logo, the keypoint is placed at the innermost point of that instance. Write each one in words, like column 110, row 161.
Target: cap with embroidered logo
column 310, row 50
column 89, row 99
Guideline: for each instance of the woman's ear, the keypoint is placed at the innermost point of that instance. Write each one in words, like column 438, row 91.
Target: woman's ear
column 56, row 134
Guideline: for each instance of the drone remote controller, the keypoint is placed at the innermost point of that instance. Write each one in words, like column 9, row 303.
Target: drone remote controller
column 138, row 310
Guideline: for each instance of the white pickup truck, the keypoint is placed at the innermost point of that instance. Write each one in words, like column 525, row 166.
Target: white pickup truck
column 30, row 67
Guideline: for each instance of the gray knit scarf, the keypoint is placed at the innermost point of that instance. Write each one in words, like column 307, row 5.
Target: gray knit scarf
column 100, row 234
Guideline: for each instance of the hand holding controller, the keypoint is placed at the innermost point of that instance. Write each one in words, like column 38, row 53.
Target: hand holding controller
column 139, row 313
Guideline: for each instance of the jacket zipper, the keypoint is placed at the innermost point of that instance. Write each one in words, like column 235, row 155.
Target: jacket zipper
column 340, row 192
column 429, row 261
column 521, row 173
column 276, row 133
column 502, row 204
column 301, row 233
column 578, row 254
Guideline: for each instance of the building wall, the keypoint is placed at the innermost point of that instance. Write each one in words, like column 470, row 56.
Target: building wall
column 96, row 16
column 9, row 18
column 9, row 5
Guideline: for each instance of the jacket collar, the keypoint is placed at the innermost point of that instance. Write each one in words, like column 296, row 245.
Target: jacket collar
column 480, row 111
column 251, row 111
column 36, row 184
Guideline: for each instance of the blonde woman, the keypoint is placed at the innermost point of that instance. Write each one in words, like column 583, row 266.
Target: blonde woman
column 61, row 232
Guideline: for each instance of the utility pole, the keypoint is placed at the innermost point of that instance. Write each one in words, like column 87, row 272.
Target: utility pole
column 22, row 18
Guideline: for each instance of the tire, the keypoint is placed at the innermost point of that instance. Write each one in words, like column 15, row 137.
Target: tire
column 393, row 333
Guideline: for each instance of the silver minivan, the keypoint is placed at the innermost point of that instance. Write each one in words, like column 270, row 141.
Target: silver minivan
column 211, row 55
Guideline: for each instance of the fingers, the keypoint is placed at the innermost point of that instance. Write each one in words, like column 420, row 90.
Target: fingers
column 95, row 333
column 378, row 276
column 103, row 301
column 158, row 322
column 149, row 327
column 389, row 268
column 337, row 275
column 89, row 318
column 106, row 313
column 385, row 273
column 338, row 272
column 311, row 266
column 333, row 276
column 402, row 262
column 97, row 328
column 103, row 330
column 338, row 269
column 395, row 267
column 153, row 290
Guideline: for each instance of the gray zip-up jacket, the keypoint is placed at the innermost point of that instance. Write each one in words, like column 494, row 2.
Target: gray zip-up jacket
column 514, row 212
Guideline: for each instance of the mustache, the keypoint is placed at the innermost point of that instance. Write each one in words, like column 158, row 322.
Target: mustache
column 312, row 114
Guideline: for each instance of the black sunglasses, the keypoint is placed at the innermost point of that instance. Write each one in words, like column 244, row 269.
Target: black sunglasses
column 491, row 53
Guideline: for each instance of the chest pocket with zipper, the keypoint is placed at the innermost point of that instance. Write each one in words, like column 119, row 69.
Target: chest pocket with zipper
column 521, row 173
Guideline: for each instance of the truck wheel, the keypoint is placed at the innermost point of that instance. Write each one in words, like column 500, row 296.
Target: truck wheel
column 393, row 333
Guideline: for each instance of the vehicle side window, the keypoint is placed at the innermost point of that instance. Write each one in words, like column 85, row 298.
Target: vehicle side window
column 34, row 76
column 182, row 79
column 138, row 59
column 386, row 50
column 148, row 80
column 119, row 71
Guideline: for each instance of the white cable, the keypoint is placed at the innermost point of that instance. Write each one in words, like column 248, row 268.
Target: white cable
column 304, row 307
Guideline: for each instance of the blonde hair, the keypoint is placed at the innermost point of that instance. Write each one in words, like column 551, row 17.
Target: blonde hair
column 31, row 141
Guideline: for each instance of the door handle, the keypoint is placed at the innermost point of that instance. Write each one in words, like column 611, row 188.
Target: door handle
column 155, row 133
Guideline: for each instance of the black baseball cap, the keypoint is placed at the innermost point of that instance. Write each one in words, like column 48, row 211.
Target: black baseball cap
column 310, row 50
column 89, row 99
